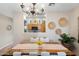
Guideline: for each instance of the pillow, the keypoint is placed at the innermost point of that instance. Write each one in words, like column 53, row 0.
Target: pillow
column 44, row 39
column 34, row 39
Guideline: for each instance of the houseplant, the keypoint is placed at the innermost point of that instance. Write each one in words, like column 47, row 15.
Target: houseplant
column 67, row 41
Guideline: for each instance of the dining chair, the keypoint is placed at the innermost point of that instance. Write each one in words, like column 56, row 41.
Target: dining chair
column 53, row 54
column 61, row 53
column 45, row 54
column 33, row 53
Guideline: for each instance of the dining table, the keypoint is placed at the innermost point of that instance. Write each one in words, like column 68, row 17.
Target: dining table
column 31, row 47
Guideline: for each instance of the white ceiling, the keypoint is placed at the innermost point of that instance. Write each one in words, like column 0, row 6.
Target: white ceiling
column 10, row 9
column 61, row 7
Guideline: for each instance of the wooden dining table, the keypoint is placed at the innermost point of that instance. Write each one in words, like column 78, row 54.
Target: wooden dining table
column 52, row 48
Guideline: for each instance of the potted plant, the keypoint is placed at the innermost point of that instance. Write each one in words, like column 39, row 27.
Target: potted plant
column 67, row 41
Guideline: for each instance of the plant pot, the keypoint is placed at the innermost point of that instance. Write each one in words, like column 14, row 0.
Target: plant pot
column 69, row 46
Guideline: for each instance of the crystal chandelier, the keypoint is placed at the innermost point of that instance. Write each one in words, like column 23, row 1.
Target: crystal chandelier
column 33, row 10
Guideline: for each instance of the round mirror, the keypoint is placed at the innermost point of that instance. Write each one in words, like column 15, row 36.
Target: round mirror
column 58, row 31
column 9, row 27
column 51, row 25
column 63, row 22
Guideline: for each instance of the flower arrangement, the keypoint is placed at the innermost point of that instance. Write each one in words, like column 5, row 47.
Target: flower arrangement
column 39, row 42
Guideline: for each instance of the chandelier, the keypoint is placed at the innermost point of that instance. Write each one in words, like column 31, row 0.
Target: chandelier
column 32, row 10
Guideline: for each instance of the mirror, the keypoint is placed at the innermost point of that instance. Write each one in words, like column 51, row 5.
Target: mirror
column 63, row 22
column 58, row 31
column 51, row 25
column 9, row 27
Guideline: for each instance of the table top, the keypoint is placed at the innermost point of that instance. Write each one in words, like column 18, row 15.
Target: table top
column 43, row 46
column 26, row 46
column 52, row 48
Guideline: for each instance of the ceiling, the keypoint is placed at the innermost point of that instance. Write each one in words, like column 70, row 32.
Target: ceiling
column 10, row 9
column 61, row 7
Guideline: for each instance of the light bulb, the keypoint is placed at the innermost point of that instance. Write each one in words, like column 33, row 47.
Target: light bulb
column 27, row 8
column 42, row 5
column 24, row 17
column 45, row 15
column 36, row 10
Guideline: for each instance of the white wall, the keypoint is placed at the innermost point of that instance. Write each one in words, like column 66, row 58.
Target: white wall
column 74, row 27
column 74, row 22
column 6, row 37
column 18, row 24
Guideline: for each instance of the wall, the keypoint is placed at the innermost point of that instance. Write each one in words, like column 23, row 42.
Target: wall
column 5, row 9
column 74, row 22
column 18, row 24
column 6, row 37
column 74, row 27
